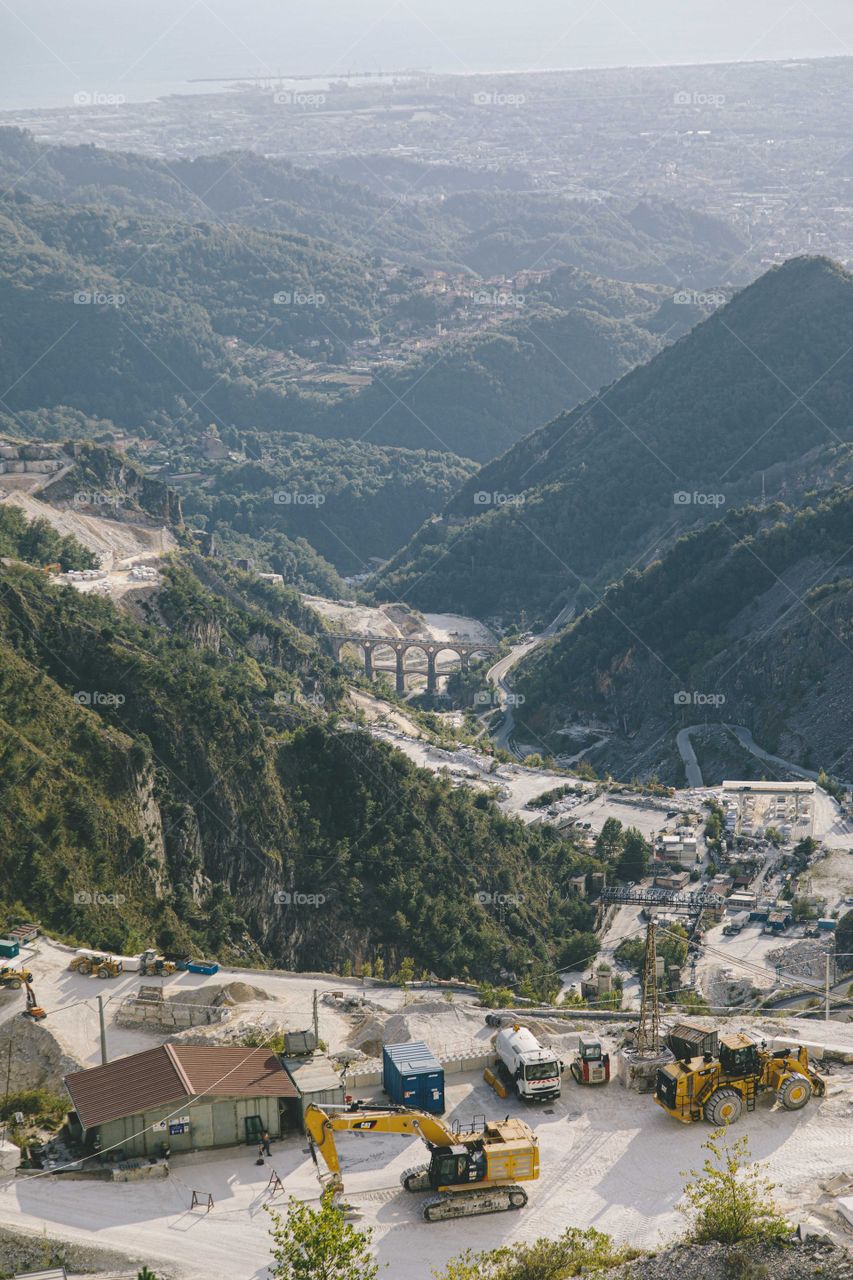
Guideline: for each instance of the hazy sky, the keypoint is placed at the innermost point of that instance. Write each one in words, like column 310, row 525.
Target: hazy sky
column 50, row 49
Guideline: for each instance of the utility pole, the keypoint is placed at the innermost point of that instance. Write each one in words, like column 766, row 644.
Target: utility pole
column 648, row 1031
column 828, row 984
column 316, row 1019
column 8, row 1073
column 104, row 1058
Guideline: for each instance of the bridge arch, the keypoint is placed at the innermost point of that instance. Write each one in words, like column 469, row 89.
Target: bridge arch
column 388, row 650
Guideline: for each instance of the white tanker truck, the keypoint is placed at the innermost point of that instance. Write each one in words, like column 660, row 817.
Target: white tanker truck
column 525, row 1066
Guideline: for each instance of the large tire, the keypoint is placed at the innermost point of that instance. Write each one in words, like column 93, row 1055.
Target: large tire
column 104, row 972
column 85, row 968
column 794, row 1092
column 723, row 1107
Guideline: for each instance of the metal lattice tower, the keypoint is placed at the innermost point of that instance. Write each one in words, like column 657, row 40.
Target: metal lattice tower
column 648, row 1031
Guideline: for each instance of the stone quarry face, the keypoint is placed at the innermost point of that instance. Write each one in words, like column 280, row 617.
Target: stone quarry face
column 37, row 1061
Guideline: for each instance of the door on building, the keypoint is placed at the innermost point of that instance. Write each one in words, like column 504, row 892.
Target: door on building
column 201, row 1133
column 226, row 1131
column 254, row 1129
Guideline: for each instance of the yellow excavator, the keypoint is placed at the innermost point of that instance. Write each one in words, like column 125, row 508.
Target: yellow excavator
column 719, row 1089
column 469, row 1172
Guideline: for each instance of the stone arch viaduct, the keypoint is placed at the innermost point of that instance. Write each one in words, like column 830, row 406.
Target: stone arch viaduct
column 400, row 646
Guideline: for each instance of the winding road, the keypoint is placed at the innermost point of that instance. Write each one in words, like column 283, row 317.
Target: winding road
column 746, row 740
column 497, row 676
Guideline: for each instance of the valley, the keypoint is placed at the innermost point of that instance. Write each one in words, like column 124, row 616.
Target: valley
column 426, row 620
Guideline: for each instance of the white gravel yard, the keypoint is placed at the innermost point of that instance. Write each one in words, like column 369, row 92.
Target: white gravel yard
column 610, row 1159
column 71, row 1001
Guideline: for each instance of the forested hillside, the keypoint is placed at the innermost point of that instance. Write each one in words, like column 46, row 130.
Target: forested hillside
column 748, row 621
column 201, row 767
column 488, row 391
column 352, row 501
column 762, row 387
column 483, row 231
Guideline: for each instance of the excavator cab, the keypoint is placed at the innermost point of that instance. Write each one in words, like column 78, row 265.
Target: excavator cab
column 456, row 1166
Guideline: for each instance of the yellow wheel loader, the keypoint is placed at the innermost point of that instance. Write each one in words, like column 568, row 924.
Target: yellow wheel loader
column 102, row 965
column 469, row 1172
column 720, row 1089
column 150, row 964
column 14, row 979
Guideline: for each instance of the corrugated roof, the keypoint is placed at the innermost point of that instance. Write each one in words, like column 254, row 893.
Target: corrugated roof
column 313, row 1075
column 168, row 1073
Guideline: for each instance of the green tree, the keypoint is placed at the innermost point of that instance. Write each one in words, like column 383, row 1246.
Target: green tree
column 318, row 1244
column 610, row 839
column 634, row 860
column 730, row 1198
column 406, row 971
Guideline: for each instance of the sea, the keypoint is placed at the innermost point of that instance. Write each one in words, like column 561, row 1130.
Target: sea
column 55, row 52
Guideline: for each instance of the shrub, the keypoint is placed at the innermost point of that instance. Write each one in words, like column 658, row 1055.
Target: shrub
column 575, row 1253
column 311, row 1244
column 730, row 1198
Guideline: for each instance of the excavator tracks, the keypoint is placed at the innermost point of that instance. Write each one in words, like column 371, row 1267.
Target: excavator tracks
column 467, row 1204
column 416, row 1179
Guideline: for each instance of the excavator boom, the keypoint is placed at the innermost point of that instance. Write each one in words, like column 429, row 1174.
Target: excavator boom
column 321, row 1128
column 471, row 1172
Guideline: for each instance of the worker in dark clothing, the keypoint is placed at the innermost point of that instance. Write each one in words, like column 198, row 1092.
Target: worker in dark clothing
column 265, row 1143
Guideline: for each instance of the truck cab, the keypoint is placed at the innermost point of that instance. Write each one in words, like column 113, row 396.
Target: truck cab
column 533, row 1071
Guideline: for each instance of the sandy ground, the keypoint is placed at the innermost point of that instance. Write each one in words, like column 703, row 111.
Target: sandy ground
column 832, row 879
column 610, row 1159
column 71, row 1002
column 119, row 544
column 363, row 620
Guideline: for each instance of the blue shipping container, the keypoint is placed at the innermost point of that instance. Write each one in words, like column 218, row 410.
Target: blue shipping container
column 413, row 1077
column 9, row 948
